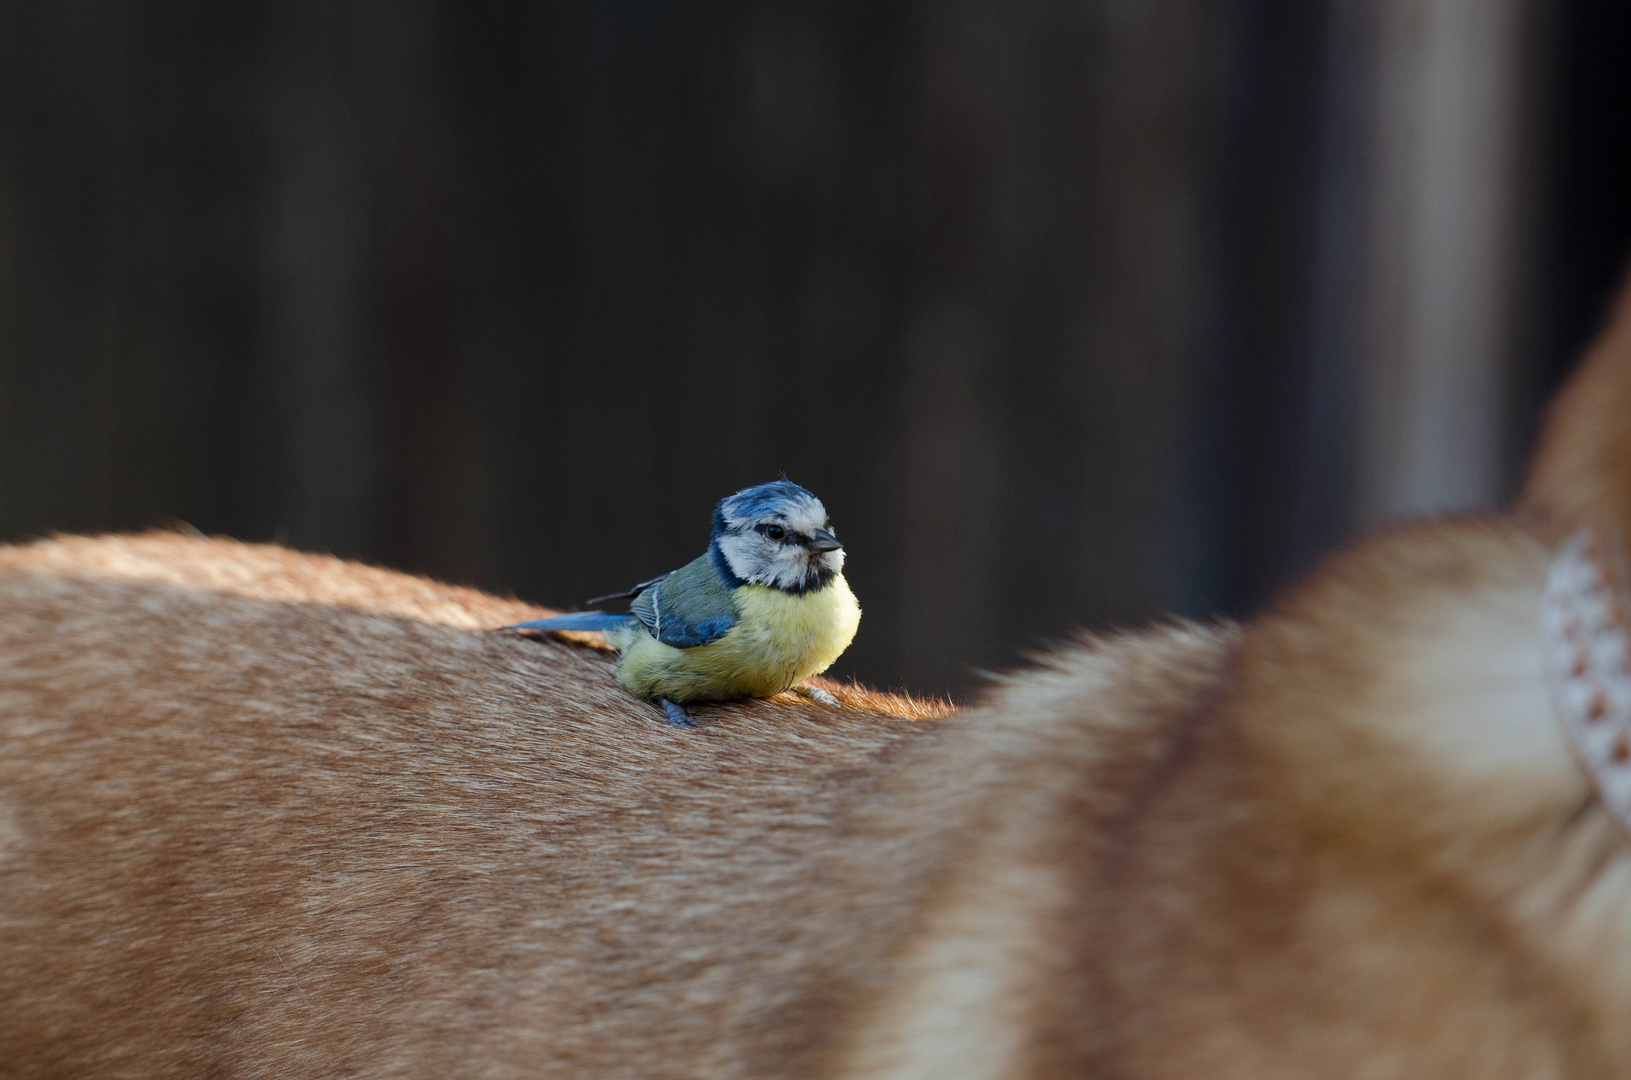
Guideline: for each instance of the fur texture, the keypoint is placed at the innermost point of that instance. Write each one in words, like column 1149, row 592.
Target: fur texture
column 272, row 815
column 275, row 815
column 1581, row 471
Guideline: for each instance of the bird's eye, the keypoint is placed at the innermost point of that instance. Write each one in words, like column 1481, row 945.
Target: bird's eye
column 775, row 532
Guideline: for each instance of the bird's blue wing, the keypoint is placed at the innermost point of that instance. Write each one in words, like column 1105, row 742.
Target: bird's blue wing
column 690, row 607
column 581, row 620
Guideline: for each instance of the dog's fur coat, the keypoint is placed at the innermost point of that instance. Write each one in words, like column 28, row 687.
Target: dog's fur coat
column 265, row 814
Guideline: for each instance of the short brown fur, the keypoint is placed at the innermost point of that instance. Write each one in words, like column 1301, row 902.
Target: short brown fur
column 269, row 814
column 1581, row 471
column 265, row 814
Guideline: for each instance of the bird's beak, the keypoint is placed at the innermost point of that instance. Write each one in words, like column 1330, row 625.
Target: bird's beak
column 822, row 540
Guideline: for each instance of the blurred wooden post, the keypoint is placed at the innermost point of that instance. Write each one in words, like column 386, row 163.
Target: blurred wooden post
column 1447, row 98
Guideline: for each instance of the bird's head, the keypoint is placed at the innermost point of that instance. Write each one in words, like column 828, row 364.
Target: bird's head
column 777, row 534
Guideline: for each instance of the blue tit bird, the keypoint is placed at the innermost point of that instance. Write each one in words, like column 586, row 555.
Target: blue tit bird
column 763, row 609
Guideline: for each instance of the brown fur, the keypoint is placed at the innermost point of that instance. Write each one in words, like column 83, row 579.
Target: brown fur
column 1581, row 471
column 265, row 814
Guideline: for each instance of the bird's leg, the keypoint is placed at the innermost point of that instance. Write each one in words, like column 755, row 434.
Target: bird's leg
column 815, row 693
column 677, row 717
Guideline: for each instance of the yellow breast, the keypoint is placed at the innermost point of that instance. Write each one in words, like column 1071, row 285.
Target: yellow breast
column 779, row 640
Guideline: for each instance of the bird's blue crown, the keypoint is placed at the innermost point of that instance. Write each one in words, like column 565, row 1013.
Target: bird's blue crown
column 779, row 498
column 775, row 534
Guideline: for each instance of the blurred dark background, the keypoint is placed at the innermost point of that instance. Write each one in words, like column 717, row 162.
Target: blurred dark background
column 1073, row 313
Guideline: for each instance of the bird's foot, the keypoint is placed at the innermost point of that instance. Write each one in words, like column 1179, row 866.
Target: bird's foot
column 815, row 693
column 677, row 717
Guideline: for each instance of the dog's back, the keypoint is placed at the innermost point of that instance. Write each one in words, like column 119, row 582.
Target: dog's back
column 266, row 814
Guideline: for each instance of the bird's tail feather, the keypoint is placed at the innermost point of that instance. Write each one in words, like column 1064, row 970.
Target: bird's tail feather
column 580, row 620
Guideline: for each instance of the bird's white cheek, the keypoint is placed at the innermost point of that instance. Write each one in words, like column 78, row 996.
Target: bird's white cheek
column 738, row 557
column 790, row 567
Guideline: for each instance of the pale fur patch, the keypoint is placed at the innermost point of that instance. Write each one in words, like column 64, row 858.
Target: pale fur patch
column 12, row 837
column 1514, row 730
column 262, row 572
column 1471, row 699
column 1450, row 733
column 966, row 992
